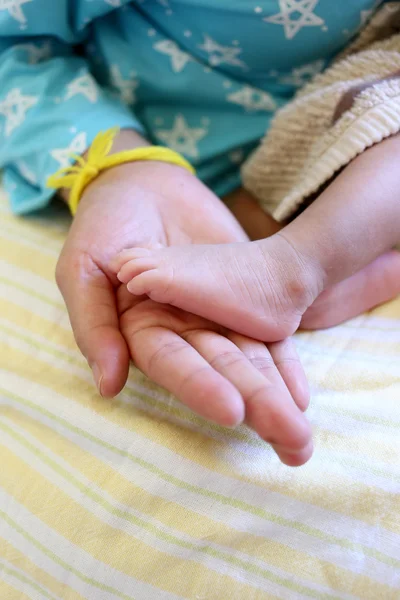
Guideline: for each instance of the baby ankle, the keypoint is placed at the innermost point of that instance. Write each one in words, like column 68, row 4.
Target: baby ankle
column 304, row 274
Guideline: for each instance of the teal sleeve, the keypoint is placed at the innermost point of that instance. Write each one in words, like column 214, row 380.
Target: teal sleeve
column 50, row 106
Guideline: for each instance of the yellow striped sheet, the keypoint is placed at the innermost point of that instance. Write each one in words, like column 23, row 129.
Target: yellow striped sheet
column 49, row 330
column 191, row 452
column 13, row 593
column 140, row 499
column 21, row 568
column 181, row 520
column 35, row 261
column 130, row 545
column 152, row 429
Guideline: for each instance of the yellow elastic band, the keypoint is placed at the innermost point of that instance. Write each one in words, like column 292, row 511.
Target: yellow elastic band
column 77, row 177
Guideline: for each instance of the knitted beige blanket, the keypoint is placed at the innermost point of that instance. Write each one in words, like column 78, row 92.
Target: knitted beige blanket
column 304, row 147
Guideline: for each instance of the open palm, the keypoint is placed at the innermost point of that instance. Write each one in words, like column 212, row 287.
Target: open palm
column 221, row 375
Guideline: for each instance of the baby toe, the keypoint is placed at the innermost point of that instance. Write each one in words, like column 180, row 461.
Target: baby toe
column 154, row 283
column 143, row 284
column 125, row 256
column 136, row 267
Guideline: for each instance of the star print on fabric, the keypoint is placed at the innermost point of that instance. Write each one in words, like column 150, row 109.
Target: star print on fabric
column 179, row 58
column 77, row 146
column 252, row 99
column 294, row 15
column 36, row 53
column 182, row 138
column 218, row 55
column 126, row 87
column 114, row 3
column 14, row 108
column 14, row 7
column 83, row 84
column 302, row 75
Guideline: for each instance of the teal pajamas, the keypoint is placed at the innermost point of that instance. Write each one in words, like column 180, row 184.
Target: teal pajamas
column 203, row 77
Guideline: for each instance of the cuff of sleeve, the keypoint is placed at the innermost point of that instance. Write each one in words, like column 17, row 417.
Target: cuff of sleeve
column 284, row 177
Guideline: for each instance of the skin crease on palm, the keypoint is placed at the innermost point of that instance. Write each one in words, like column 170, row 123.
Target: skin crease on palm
column 223, row 376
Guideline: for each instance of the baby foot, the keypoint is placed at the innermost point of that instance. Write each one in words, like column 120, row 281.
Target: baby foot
column 260, row 289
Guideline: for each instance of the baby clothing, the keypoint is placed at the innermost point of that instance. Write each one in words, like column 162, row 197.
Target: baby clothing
column 204, row 77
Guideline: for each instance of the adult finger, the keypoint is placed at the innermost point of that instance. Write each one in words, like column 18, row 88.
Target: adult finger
column 90, row 301
column 172, row 363
column 286, row 360
column 270, row 409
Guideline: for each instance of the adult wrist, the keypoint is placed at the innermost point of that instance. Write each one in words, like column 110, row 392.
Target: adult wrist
column 126, row 139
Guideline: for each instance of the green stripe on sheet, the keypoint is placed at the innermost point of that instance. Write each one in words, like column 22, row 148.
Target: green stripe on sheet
column 225, row 500
column 162, row 535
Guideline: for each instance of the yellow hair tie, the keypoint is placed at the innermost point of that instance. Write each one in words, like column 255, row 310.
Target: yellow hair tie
column 76, row 177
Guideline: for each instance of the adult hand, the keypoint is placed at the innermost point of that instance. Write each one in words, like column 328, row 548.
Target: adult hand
column 222, row 376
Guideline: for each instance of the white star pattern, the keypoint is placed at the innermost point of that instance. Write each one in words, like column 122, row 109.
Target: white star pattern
column 179, row 59
column 83, row 84
column 182, row 138
column 114, row 3
column 14, row 107
column 252, row 99
column 36, row 53
column 77, row 146
column 125, row 87
column 218, row 55
column 302, row 75
column 14, row 7
column 289, row 16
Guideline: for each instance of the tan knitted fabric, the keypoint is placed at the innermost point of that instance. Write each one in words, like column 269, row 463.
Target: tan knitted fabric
column 304, row 148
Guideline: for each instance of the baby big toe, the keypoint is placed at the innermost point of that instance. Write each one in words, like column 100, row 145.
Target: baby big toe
column 149, row 283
